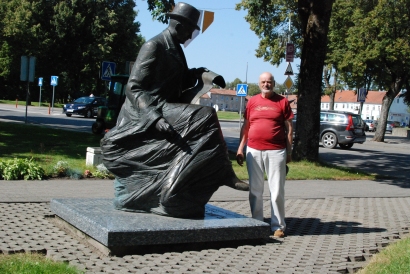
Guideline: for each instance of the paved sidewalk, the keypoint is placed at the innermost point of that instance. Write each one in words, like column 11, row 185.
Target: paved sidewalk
column 333, row 227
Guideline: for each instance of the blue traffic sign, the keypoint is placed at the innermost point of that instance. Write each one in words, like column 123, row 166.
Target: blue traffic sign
column 40, row 81
column 241, row 89
column 54, row 80
column 108, row 69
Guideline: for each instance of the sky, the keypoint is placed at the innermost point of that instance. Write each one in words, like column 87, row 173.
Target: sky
column 227, row 46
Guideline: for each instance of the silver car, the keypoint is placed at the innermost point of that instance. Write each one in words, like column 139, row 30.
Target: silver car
column 370, row 125
column 389, row 126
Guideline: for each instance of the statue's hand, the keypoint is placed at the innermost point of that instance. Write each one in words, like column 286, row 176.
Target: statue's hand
column 164, row 127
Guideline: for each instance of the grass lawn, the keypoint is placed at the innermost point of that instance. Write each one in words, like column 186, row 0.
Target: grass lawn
column 32, row 263
column 395, row 258
column 47, row 146
column 228, row 115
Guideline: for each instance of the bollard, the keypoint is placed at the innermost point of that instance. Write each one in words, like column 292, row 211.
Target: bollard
column 17, row 100
column 49, row 108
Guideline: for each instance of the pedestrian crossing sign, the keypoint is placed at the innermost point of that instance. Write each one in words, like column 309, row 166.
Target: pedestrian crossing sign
column 54, row 80
column 108, row 69
column 241, row 89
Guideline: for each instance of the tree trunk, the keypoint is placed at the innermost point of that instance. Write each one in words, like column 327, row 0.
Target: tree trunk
column 333, row 94
column 394, row 90
column 315, row 18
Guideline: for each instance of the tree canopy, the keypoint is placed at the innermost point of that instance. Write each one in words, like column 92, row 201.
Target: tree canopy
column 309, row 27
column 70, row 39
column 370, row 43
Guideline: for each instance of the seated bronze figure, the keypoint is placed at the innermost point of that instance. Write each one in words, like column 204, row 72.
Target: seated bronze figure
column 168, row 155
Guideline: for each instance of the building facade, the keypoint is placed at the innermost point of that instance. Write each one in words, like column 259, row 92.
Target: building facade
column 223, row 100
column 345, row 100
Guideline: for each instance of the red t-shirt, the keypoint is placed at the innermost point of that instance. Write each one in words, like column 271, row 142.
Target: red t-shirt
column 267, row 118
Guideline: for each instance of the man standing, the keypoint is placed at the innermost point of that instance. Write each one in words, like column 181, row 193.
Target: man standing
column 267, row 130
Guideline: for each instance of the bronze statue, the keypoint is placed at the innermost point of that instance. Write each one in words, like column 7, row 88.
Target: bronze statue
column 168, row 155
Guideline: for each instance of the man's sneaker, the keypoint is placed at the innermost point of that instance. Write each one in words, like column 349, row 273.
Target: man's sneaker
column 279, row 234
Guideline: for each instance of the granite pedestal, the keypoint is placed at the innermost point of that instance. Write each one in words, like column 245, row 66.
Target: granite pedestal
column 118, row 233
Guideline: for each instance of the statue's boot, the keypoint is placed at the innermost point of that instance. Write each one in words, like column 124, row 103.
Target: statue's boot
column 235, row 183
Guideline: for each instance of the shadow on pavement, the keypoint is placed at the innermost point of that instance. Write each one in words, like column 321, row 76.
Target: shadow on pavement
column 313, row 226
column 393, row 165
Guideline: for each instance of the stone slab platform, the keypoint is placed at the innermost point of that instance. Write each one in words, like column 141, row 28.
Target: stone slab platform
column 115, row 232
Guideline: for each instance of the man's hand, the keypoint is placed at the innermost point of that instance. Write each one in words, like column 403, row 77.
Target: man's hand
column 239, row 159
column 164, row 127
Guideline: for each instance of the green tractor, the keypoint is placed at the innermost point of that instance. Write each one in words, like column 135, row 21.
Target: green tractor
column 107, row 115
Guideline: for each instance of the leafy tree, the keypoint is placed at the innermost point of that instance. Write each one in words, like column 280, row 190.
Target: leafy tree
column 309, row 28
column 232, row 85
column 69, row 38
column 374, row 48
column 253, row 89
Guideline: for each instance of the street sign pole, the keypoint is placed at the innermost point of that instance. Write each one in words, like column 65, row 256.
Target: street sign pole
column 28, row 90
column 54, row 83
column 39, row 100
column 240, row 115
column 52, row 102
column 27, row 69
column 40, row 83
column 242, row 91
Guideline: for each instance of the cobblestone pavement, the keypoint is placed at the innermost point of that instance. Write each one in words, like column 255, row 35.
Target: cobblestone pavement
column 329, row 235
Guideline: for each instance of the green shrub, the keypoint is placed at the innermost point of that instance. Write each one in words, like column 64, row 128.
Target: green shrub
column 2, row 165
column 62, row 169
column 102, row 172
column 18, row 169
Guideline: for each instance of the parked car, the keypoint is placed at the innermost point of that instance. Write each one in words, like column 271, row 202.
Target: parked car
column 340, row 128
column 395, row 124
column 389, row 126
column 370, row 125
column 84, row 106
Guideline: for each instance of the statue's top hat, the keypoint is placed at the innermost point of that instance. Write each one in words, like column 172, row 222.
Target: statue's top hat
column 186, row 12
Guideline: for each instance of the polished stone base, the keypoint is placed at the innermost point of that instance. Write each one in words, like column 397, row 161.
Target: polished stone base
column 115, row 232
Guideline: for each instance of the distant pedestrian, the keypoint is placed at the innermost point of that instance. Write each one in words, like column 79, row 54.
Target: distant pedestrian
column 267, row 131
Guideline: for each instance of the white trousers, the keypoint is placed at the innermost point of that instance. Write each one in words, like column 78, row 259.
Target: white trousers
column 273, row 162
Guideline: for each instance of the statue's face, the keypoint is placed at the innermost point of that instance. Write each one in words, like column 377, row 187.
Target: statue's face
column 184, row 33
